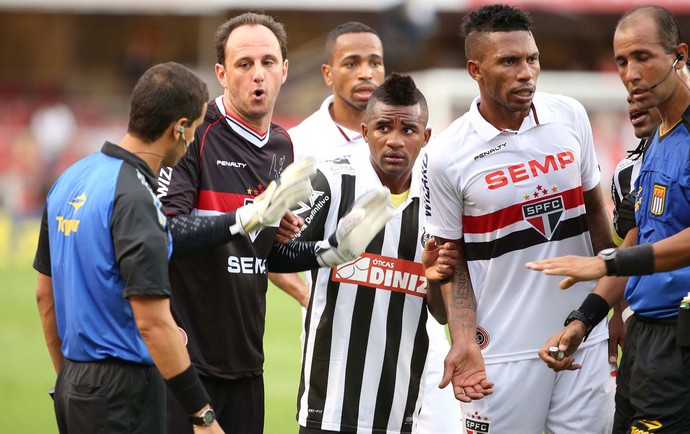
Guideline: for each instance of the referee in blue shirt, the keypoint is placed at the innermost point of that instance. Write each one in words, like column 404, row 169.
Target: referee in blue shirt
column 102, row 262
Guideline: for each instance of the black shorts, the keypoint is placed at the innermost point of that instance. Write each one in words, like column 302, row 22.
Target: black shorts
column 239, row 406
column 653, row 393
column 110, row 396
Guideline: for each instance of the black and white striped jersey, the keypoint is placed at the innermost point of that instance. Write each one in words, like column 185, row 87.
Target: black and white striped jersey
column 366, row 340
column 622, row 186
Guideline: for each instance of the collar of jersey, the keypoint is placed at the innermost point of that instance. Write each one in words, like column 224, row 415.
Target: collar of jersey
column 539, row 114
column 346, row 133
column 244, row 130
column 361, row 161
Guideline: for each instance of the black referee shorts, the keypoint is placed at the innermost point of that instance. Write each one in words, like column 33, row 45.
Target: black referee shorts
column 110, row 396
column 653, row 393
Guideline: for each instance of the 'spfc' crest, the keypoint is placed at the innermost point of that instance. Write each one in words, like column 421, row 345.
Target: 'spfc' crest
column 544, row 215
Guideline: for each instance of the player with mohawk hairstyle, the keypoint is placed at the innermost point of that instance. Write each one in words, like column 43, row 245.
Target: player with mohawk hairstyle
column 366, row 340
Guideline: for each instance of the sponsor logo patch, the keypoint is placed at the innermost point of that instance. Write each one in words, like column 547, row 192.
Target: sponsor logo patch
column 382, row 272
column 658, row 200
column 78, row 201
column 648, row 427
column 482, row 338
column 425, row 186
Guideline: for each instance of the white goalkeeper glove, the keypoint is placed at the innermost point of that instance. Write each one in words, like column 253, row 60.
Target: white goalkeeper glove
column 292, row 187
column 369, row 214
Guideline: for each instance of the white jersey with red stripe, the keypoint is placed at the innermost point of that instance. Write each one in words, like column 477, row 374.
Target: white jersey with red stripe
column 515, row 197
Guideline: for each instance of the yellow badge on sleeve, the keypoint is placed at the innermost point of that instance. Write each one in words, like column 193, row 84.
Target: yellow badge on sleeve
column 658, row 200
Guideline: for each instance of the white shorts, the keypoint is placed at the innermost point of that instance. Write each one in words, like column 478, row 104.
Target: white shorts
column 440, row 412
column 530, row 398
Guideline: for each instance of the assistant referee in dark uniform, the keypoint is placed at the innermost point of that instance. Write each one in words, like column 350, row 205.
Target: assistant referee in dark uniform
column 102, row 262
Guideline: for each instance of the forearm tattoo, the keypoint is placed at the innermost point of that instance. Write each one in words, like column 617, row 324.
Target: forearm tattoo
column 463, row 302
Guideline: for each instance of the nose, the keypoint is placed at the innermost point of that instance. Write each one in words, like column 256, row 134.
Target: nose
column 258, row 75
column 526, row 72
column 395, row 140
column 366, row 71
column 630, row 73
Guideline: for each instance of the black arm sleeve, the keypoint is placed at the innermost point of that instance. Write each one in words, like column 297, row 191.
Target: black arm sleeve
column 292, row 257
column 191, row 234
column 42, row 258
column 625, row 218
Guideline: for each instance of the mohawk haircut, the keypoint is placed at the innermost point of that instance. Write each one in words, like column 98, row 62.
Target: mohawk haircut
column 399, row 90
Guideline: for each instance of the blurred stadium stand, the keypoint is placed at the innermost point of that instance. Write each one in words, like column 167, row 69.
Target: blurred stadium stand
column 84, row 55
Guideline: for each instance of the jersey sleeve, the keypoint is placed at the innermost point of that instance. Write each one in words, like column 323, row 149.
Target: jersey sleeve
column 42, row 258
column 442, row 201
column 624, row 218
column 589, row 166
column 140, row 237
column 178, row 186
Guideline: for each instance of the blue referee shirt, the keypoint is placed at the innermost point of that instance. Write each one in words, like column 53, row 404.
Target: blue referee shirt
column 662, row 209
column 103, row 238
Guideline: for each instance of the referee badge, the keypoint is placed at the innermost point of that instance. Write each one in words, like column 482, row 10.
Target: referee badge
column 658, row 200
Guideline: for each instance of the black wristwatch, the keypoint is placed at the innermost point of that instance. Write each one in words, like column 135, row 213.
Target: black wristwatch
column 206, row 418
column 609, row 257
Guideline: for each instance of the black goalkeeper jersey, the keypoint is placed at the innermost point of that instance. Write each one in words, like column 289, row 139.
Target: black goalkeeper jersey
column 219, row 296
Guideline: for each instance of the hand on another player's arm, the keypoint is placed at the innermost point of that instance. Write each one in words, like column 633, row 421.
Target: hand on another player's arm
column 289, row 227
column 576, row 268
column 567, row 341
column 439, row 261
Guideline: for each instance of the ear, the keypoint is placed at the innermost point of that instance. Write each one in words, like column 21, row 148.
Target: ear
column 427, row 136
column 326, row 72
column 220, row 75
column 474, row 70
column 179, row 127
column 285, row 70
column 682, row 50
column 365, row 131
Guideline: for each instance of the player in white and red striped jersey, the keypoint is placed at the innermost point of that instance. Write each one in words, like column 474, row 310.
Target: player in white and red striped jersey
column 513, row 180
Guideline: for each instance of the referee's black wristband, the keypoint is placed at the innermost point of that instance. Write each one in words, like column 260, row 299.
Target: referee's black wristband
column 187, row 388
column 593, row 309
column 635, row 260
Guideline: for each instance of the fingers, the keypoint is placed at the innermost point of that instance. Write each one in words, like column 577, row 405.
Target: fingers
column 288, row 229
column 613, row 350
column 474, row 392
column 567, row 282
column 447, row 375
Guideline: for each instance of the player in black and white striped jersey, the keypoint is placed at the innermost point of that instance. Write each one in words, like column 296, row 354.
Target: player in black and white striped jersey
column 366, row 342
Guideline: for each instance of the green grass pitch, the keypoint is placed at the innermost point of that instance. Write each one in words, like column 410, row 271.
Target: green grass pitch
column 26, row 373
